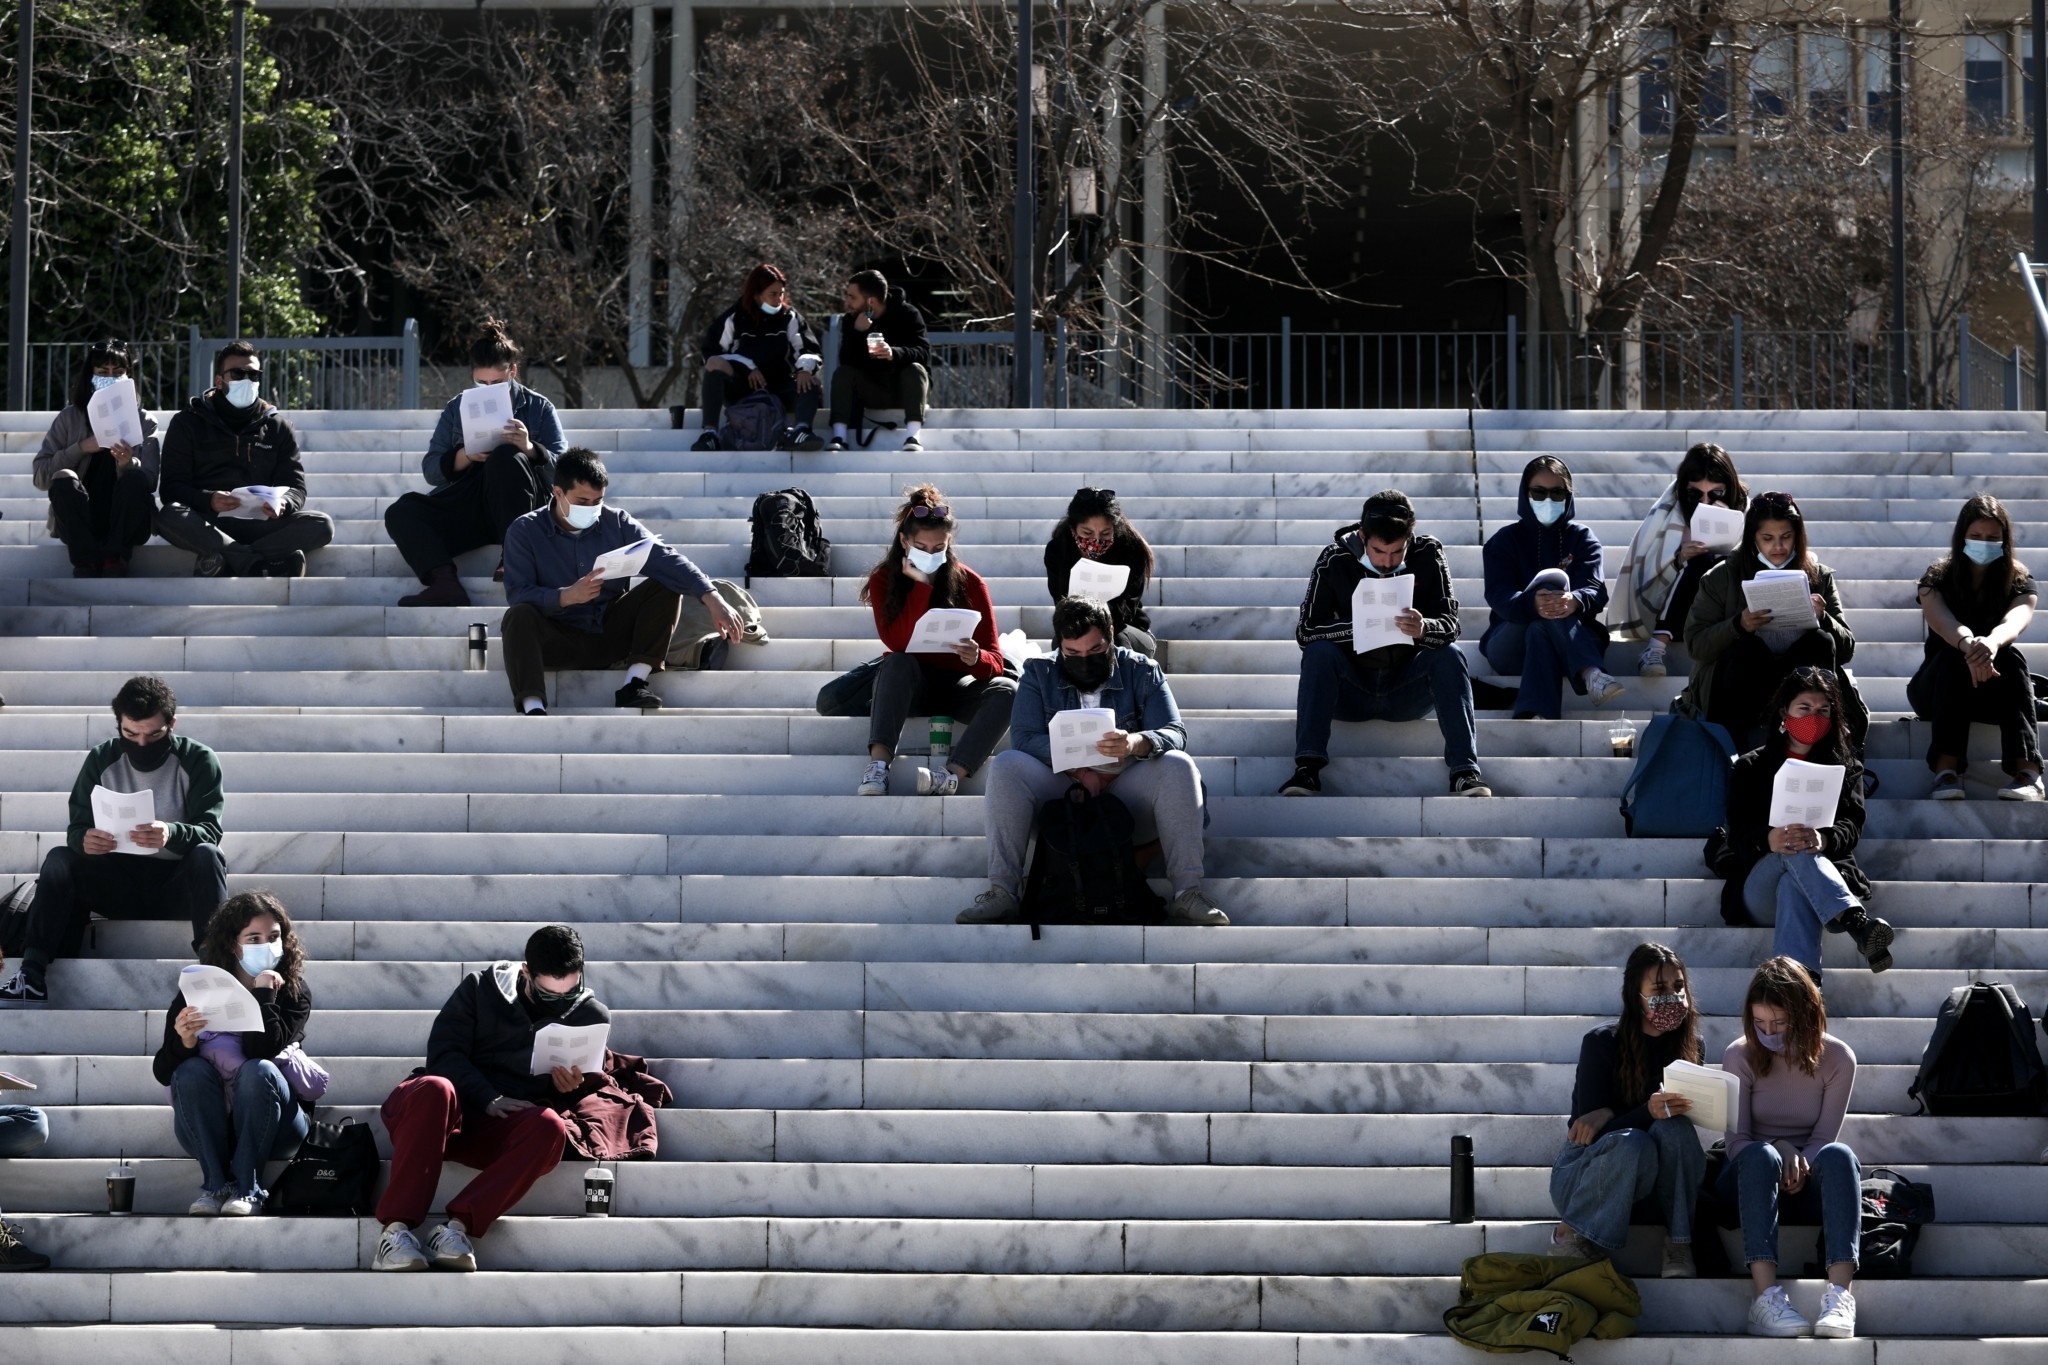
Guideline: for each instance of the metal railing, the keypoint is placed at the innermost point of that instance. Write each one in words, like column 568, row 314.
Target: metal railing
column 326, row 372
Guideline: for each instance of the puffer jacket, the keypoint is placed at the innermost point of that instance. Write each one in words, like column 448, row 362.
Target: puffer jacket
column 1509, row 1302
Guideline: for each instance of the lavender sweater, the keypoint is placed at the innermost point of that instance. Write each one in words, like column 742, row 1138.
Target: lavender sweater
column 1788, row 1104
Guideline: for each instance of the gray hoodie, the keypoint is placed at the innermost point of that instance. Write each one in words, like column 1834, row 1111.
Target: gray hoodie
column 61, row 451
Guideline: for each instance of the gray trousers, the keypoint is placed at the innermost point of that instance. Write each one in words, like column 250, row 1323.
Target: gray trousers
column 1164, row 796
column 243, row 541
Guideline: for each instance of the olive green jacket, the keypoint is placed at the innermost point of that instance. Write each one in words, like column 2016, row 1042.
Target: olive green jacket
column 1712, row 626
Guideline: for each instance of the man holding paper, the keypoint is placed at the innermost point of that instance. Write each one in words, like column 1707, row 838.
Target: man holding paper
column 1126, row 738
column 570, row 606
column 167, row 867
column 479, row 1103
column 98, row 463
column 1396, row 659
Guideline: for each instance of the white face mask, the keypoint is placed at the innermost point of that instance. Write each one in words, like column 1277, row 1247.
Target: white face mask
column 926, row 561
column 771, row 309
column 580, row 516
column 258, row 958
column 105, row 381
column 1549, row 513
column 1770, row 563
column 1365, row 558
column 242, row 392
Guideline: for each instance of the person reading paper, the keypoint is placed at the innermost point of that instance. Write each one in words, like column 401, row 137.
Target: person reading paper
column 1094, row 551
column 102, row 491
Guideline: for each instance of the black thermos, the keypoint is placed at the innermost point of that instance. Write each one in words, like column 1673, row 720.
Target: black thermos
column 479, row 647
column 1461, row 1178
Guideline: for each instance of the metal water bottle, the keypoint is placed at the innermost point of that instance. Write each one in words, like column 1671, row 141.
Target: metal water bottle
column 1461, row 1179
column 942, row 742
column 479, row 647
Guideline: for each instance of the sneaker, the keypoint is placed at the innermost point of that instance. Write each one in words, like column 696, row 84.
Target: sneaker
column 912, row 443
column 992, row 906
column 838, row 443
column 1772, row 1315
column 209, row 566
column 536, row 711
column 2026, row 789
column 1469, row 783
column 24, row 989
column 1306, row 781
column 1947, row 787
column 242, row 1206
column 398, row 1249
column 1650, row 664
column 708, row 441
column 1193, row 906
column 1678, row 1261
column 1564, row 1241
column 15, row 1256
column 449, row 1249
column 292, row 565
column 807, row 441
column 937, row 782
column 1837, row 1318
column 1603, row 687
column 1872, row 935
column 209, row 1203
column 637, row 695
column 874, row 782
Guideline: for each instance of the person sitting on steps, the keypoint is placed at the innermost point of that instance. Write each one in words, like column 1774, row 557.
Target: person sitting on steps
column 1146, row 765
column 1096, row 530
column 474, row 496
column 762, row 345
column 1544, row 585
column 23, row 1130
column 1660, row 575
column 102, row 498
column 883, row 352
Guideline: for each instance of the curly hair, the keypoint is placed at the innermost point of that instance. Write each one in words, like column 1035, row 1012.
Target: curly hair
column 1784, row 984
column 219, row 947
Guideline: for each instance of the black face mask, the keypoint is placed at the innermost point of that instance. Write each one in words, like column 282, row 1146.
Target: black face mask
column 543, row 996
column 1088, row 672
column 146, row 756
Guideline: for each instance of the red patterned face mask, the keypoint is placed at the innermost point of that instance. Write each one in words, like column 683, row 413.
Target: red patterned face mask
column 1666, row 1012
column 1808, row 730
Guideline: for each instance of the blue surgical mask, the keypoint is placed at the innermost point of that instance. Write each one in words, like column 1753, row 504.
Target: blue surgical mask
column 242, row 392
column 1375, row 570
column 1769, row 563
column 1549, row 513
column 582, row 517
column 771, row 309
column 258, row 958
column 926, row 561
column 1773, row 1042
column 106, row 381
column 1984, row 551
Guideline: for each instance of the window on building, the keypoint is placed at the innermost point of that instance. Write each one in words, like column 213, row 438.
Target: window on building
column 1877, row 78
column 2033, row 66
column 1771, row 79
column 1659, row 93
column 1984, row 79
column 1828, row 84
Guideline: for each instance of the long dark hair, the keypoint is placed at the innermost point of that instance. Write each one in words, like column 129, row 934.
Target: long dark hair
column 492, row 346
column 1954, row 573
column 1834, row 746
column 757, row 282
column 1782, row 982
column 945, row 583
column 1100, row 502
column 219, row 947
column 1707, row 461
column 1775, row 507
column 107, row 352
column 1636, row 1082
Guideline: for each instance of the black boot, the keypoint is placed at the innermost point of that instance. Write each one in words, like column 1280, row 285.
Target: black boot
column 1873, row 937
column 443, row 589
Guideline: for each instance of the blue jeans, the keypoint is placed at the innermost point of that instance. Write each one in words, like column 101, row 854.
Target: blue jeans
column 1832, row 1195
column 267, row 1122
column 1332, row 688
column 22, row 1129
column 1805, row 891
column 1595, row 1187
column 1543, row 653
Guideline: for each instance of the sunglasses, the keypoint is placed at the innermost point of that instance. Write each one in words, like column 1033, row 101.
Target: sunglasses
column 1810, row 673
column 239, row 373
column 1777, row 502
column 1549, row 494
column 933, row 511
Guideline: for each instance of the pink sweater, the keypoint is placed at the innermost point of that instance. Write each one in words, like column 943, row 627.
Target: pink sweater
column 1788, row 1104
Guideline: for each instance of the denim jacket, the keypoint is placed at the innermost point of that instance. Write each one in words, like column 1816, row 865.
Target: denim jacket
column 1136, row 691
column 543, row 428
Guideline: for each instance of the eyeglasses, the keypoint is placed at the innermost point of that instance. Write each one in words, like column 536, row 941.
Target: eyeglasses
column 240, row 373
column 1549, row 494
column 933, row 511
column 1096, row 494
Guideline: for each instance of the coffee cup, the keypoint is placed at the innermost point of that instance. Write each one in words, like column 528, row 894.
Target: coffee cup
column 121, row 1190
column 1621, row 737
column 876, row 341
column 597, row 1193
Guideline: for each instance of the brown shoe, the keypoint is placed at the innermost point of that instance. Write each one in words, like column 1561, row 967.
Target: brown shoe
column 443, row 589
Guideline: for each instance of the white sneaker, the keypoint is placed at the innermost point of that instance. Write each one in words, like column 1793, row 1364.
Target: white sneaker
column 2026, row 789
column 943, row 782
column 1837, row 1314
column 242, row 1206
column 1772, row 1315
column 398, row 1249
column 208, row 1203
column 875, row 782
column 1651, row 664
column 449, row 1249
column 1603, row 687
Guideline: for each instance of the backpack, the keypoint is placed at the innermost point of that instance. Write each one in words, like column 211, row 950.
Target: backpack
column 1894, row 1209
column 1085, row 871
column 14, row 918
column 1679, row 786
column 1982, row 1058
column 787, row 541
column 333, row 1174
column 753, row 423
column 695, row 645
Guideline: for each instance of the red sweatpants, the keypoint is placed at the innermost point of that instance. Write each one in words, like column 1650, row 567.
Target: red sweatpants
column 424, row 1118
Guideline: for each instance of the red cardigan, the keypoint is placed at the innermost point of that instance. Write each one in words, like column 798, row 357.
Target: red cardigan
column 973, row 597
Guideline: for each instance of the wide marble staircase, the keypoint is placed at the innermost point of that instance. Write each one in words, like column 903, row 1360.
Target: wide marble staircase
column 897, row 1139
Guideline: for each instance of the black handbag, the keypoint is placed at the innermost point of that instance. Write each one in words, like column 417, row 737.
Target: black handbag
column 332, row 1175
column 852, row 693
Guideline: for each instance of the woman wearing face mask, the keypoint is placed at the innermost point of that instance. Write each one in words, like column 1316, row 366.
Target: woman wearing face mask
column 235, row 1097
column 1785, row 1157
column 762, row 345
column 102, row 498
column 1738, row 657
column 1544, row 585
column 1629, row 1138
column 1977, row 603
column 1806, row 877
column 1095, row 529
column 920, row 572
column 1660, row 575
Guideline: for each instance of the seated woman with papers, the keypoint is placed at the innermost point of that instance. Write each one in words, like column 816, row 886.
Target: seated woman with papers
column 1631, row 1136
column 1692, row 527
column 1786, row 1161
column 938, row 624
column 1767, row 609
column 1795, row 812
column 1096, row 552
column 99, row 464
column 241, row 1087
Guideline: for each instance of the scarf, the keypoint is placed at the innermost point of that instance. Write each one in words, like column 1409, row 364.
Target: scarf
column 1649, row 571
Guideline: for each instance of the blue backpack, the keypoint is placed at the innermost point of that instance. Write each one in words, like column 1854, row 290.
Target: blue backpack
column 1679, row 787
column 753, row 423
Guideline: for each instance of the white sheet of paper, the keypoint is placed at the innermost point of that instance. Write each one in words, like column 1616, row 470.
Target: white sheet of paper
column 254, row 498
column 10, row 1081
column 1717, row 528
column 1805, row 794
column 1091, row 579
column 118, row 813
column 625, row 562
column 115, row 413
column 939, row 629
column 1787, row 595
column 486, row 409
column 1073, row 735
column 1715, row 1095
column 1375, row 602
column 559, row 1045
column 226, row 1002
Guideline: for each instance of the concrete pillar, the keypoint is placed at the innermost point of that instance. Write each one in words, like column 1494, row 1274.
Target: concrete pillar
column 682, row 147
column 1116, row 271
column 1153, row 284
column 640, row 264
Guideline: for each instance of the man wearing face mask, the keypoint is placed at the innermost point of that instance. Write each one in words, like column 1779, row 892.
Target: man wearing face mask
column 1144, row 762
column 1394, row 682
column 565, row 613
column 229, row 438
column 475, row 1102
column 178, row 873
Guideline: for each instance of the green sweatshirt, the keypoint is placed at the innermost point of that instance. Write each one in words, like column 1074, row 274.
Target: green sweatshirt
column 187, row 784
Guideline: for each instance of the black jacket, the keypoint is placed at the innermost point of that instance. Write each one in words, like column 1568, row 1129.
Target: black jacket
column 1597, row 1083
column 284, row 1022
column 1128, row 609
column 1326, row 606
column 770, row 343
column 211, row 447
column 1749, row 809
column 482, row 1040
column 900, row 324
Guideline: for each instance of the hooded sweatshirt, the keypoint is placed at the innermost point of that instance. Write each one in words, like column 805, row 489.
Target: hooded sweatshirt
column 214, row 447
column 1326, row 605
column 63, row 449
column 482, row 1041
column 1517, row 552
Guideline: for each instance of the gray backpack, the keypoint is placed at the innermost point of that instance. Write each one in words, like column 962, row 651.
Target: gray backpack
column 695, row 645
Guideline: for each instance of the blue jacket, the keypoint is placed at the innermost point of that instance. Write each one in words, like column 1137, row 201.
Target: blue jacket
column 543, row 428
column 542, row 557
column 1517, row 553
column 1136, row 691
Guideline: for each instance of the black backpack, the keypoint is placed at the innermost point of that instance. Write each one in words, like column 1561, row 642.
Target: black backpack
column 1085, row 871
column 753, row 423
column 787, row 541
column 1894, row 1209
column 333, row 1175
column 1982, row 1058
